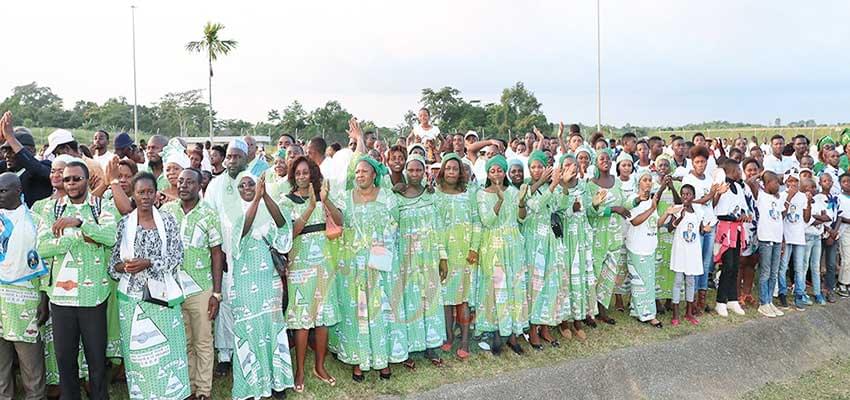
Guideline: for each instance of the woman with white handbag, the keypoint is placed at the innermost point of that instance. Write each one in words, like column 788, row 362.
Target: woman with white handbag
column 145, row 261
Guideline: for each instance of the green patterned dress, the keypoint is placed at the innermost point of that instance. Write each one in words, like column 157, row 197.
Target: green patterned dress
column 460, row 230
column 262, row 363
column 420, row 250
column 312, row 272
column 608, row 242
column 545, row 259
column 501, row 295
column 664, row 276
column 369, row 333
column 40, row 209
column 153, row 337
column 578, row 240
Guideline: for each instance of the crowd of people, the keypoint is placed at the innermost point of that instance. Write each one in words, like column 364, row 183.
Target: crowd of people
column 172, row 263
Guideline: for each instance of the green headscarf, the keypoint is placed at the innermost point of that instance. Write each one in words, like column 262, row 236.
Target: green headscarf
column 450, row 156
column 844, row 137
column 415, row 157
column 497, row 160
column 281, row 153
column 539, row 156
column 564, row 157
column 380, row 169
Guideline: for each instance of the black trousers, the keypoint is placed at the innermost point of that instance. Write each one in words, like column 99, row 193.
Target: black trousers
column 69, row 325
column 727, row 288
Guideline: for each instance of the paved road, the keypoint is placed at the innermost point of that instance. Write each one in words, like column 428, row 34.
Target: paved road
column 722, row 364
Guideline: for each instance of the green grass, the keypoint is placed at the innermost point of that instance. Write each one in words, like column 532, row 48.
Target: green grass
column 829, row 381
column 761, row 133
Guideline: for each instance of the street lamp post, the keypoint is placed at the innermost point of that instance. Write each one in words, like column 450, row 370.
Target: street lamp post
column 598, row 72
column 135, row 95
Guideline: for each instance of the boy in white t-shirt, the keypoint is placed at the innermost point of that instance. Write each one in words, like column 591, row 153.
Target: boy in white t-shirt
column 829, row 246
column 794, row 224
column 686, row 254
column 769, row 230
column 814, row 233
column 844, row 235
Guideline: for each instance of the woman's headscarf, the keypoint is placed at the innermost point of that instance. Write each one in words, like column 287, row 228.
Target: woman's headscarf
column 380, row 169
column 281, row 153
column 662, row 157
column 175, row 153
column 622, row 158
column 538, row 155
column 564, row 157
column 591, row 155
column 261, row 227
column 451, row 156
column 499, row 160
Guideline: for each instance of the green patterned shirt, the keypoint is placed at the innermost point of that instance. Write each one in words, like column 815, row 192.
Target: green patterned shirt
column 18, row 306
column 200, row 230
column 78, row 274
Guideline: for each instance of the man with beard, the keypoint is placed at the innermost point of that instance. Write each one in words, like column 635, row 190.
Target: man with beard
column 222, row 196
column 155, row 164
column 22, row 306
column 18, row 152
column 78, row 234
column 200, row 277
column 257, row 164
column 100, row 148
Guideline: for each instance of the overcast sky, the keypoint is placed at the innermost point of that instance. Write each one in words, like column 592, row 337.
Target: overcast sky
column 664, row 62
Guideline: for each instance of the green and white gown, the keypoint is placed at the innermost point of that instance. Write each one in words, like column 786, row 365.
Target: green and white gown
column 40, row 209
column 460, row 230
column 420, row 250
column 312, row 272
column 501, row 295
column 369, row 333
column 607, row 241
column 578, row 240
column 641, row 243
column 262, row 362
column 153, row 337
column 545, row 258
column 276, row 186
column 664, row 276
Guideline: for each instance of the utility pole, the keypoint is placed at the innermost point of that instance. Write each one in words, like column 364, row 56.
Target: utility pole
column 135, row 95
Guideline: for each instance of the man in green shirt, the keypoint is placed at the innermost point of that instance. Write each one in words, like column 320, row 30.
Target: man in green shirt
column 200, row 277
column 78, row 235
column 21, row 306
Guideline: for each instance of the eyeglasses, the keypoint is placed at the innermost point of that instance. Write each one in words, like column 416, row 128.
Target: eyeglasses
column 247, row 185
column 76, row 178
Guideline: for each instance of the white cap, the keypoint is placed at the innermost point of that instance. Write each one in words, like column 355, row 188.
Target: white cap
column 58, row 138
column 470, row 133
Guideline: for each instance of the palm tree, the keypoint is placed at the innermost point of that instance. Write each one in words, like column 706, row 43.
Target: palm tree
column 213, row 46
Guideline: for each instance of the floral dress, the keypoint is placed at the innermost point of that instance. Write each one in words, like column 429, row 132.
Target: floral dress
column 501, row 294
column 545, row 258
column 578, row 241
column 608, row 241
column 460, row 230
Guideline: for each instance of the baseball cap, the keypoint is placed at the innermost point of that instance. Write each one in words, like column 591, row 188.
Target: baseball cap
column 122, row 141
column 23, row 137
column 58, row 138
column 470, row 133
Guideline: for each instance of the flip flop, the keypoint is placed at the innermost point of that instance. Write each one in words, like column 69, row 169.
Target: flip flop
column 330, row 381
column 438, row 362
column 463, row 355
column 409, row 364
column 298, row 388
column 447, row 347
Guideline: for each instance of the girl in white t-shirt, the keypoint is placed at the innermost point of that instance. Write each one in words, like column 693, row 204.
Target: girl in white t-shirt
column 794, row 233
column 829, row 246
column 814, row 234
column 641, row 244
column 686, row 256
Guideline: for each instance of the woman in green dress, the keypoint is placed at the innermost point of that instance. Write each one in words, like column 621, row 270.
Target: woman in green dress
column 312, row 269
column 516, row 173
column 501, row 298
column 606, row 220
column 578, row 278
column 460, row 230
column 369, row 335
column 262, row 365
column 149, row 250
column 422, row 264
column 277, row 181
column 544, row 253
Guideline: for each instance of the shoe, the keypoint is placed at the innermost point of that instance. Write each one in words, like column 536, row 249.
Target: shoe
column 735, row 307
column 721, row 309
column 484, row 346
column 766, row 310
column 783, row 301
column 223, row 368
column 842, row 291
column 693, row 320
column 278, row 395
column 358, row 377
column 830, row 297
column 517, row 349
column 776, row 310
column 800, row 303
column 808, row 300
column 580, row 335
column 674, row 322
column 538, row 347
column 385, row 377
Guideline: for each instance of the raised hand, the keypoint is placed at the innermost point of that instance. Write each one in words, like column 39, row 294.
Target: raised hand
column 323, row 193
column 547, row 174
column 569, row 173
column 561, row 129
column 537, row 133
column 599, row 197
column 261, row 188
column 312, row 196
column 523, row 191
column 500, row 192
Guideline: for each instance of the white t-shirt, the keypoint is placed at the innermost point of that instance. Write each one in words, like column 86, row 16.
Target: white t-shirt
column 844, row 212
column 701, row 188
column 835, row 172
column 104, row 159
column 729, row 203
column 818, row 206
column 770, row 209
column 430, row 134
column 642, row 239
column 680, row 171
column 793, row 227
column 686, row 255
column 771, row 163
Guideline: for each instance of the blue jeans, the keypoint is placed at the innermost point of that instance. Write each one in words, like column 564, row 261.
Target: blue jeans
column 811, row 261
column 707, row 240
column 769, row 259
column 793, row 253
column 831, row 254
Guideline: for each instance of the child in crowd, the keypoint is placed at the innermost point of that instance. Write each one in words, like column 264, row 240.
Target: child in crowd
column 686, row 255
column 829, row 246
column 731, row 237
column 812, row 255
column 771, row 213
column 798, row 213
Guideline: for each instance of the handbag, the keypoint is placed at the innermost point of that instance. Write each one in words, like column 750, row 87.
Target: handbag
column 332, row 230
column 281, row 265
column 166, row 292
column 557, row 226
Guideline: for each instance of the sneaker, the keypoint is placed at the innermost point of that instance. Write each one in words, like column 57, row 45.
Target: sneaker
column 783, row 301
column 800, row 303
column 808, row 300
column 842, row 291
column 767, row 311
column 819, row 299
column 776, row 310
column 735, row 307
column 830, row 297
column 721, row 309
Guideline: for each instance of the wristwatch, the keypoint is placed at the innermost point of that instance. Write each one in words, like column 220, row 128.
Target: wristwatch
column 217, row 296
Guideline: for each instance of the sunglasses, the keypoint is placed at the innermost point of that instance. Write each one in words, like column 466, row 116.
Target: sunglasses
column 76, row 178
